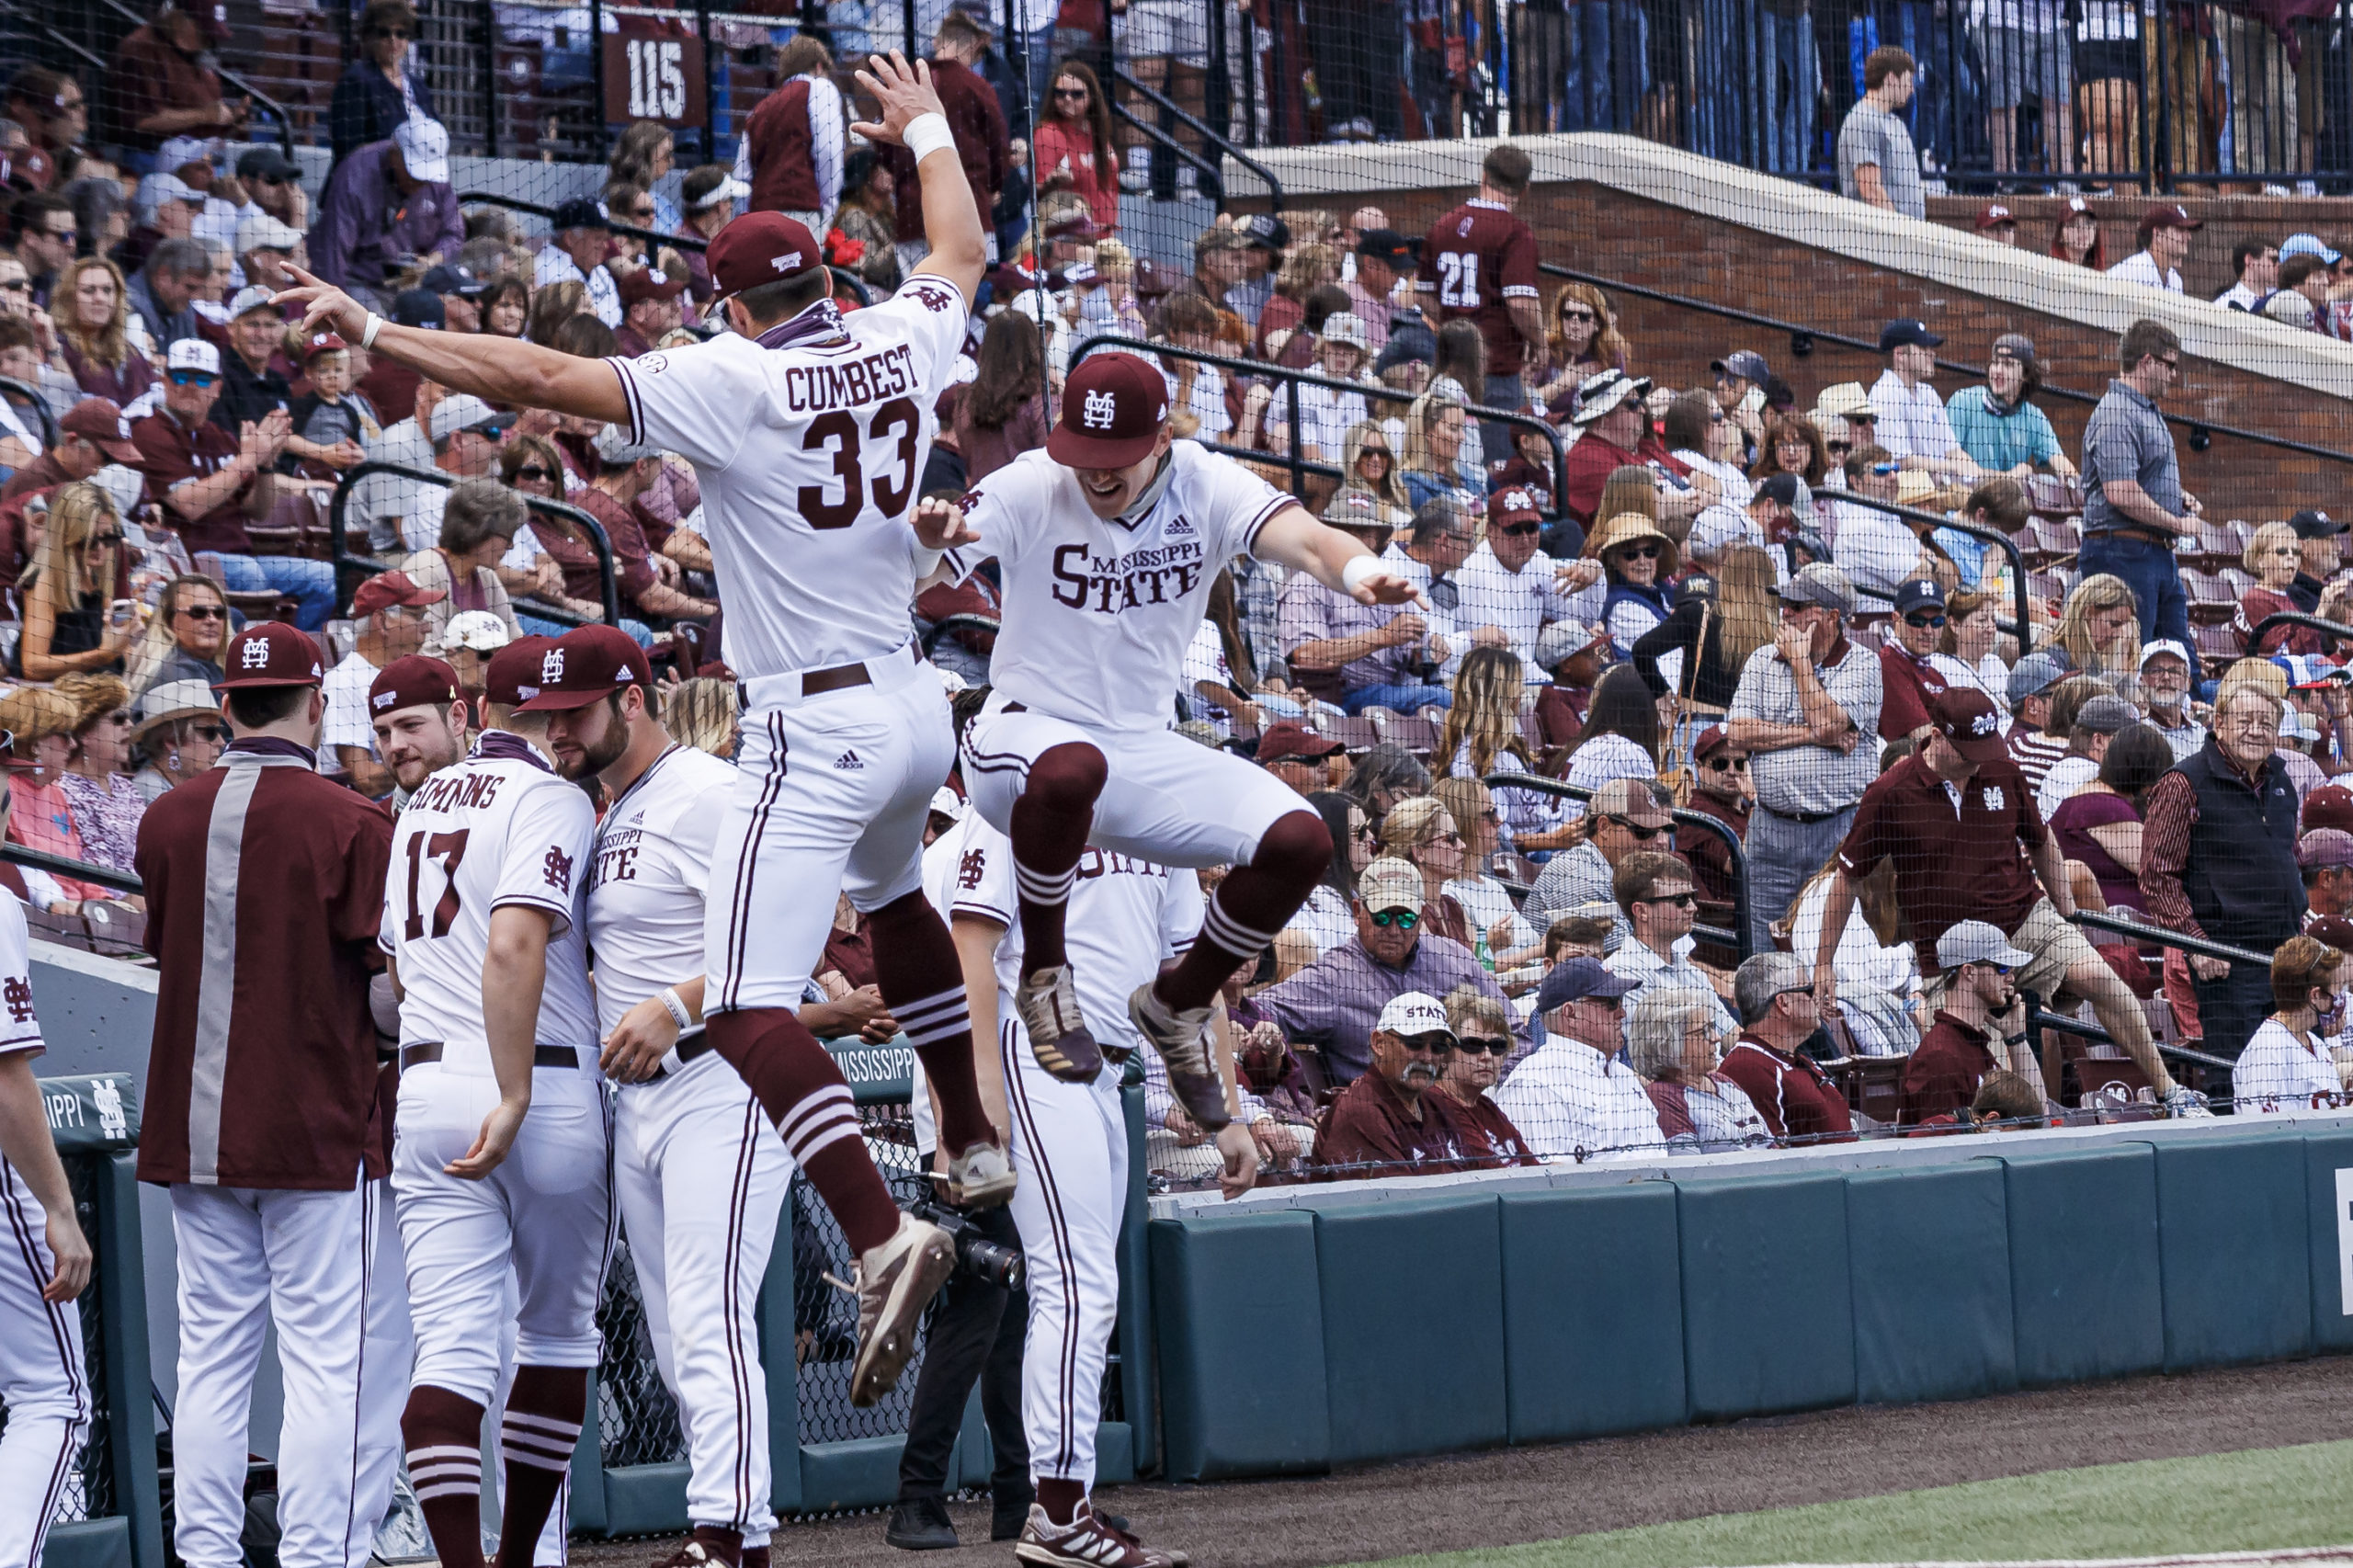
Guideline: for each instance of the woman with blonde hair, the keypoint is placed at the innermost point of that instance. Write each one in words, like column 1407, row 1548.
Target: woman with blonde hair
column 40, row 817
column 1878, row 972
column 1720, row 629
column 2272, row 558
column 1629, row 488
column 1371, row 493
column 2099, row 628
column 1420, row 831
column 1438, row 432
column 74, row 571
column 106, row 805
column 1487, row 903
column 1581, row 340
column 702, row 713
column 92, row 307
column 1481, row 736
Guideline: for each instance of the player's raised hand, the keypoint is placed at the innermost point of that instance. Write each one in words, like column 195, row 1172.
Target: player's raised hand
column 72, row 1252
column 1385, row 587
column 497, row 1136
column 1240, row 1151
column 324, row 306
column 633, row 1051
column 904, row 92
column 941, row 524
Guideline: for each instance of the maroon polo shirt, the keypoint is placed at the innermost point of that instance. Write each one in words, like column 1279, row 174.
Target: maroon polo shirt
column 1793, row 1095
column 1905, row 686
column 1942, row 1076
column 1488, row 1133
column 632, row 557
column 43, row 473
column 1952, row 863
column 171, row 452
column 1368, row 1124
column 1591, row 462
column 262, row 1071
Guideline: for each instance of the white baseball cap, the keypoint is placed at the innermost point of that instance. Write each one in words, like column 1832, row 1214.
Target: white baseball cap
column 193, row 354
column 478, row 629
column 262, row 231
column 614, row 445
column 424, row 144
column 1412, row 1013
column 156, row 189
column 251, row 297
column 729, row 189
column 1977, row 941
column 948, row 803
column 2163, row 647
column 462, row 412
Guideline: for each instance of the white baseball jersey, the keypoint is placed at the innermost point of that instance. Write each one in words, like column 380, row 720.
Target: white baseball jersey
column 496, row 829
column 652, row 871
column 1097, row 614
column 810, row 445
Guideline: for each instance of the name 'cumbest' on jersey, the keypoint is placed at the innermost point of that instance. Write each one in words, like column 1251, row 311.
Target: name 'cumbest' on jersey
column 809, row 443
column 498, row 828
column 1097, row 613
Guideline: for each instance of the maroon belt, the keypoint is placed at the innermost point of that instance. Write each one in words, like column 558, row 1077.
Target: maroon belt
column 841, row 677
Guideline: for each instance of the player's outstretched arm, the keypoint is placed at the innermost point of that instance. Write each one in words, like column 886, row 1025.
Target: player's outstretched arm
column 499, row 370
column 514, row 976
column 951, row 218
column 24, row 1140
column 1293, row 538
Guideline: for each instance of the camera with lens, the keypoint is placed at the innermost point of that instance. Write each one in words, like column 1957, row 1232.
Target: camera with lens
column 976, row 1256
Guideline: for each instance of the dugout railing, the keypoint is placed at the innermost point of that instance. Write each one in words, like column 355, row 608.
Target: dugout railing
column 352, row 566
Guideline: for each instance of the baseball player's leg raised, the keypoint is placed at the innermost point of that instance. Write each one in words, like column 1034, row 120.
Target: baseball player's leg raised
column 1159, row 797
column 43, row 1381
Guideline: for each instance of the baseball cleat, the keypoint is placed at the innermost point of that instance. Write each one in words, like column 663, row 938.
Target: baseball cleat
column 895, row 1281
column 1183, row 1041
column 1088, row 1542
column 1048, row 1002
column 980, row 1177
column 698, row 1551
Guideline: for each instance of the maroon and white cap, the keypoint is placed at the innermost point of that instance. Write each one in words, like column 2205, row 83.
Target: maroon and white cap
column 512, row 677
column 760, row 247
column 412, row 682
column 1970, row 723
column 1512, row 506
column 97, row 421
column 1113, row 407
column 270, row 653
column 585, row 664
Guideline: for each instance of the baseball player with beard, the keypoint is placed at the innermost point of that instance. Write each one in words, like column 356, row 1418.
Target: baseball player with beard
column 1108, row 538
column 502, row 1144
column 807, row 431
column 700, row 1176
column 43, row 1381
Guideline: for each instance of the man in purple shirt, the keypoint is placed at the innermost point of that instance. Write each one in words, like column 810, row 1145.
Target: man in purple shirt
column 1359, row 655
column 1333, row 1003
column 387, row 203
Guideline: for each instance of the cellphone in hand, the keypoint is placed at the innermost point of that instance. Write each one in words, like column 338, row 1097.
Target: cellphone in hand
column 121, row 611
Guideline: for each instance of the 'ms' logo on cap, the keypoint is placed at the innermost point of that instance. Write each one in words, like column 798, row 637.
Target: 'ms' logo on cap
column 551, row 667
column 1101, row 409
column 1985, row 723
column 255, row 655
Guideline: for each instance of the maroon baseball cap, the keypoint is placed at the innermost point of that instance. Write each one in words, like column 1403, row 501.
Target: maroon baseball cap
column 1967, row 718
column 1113, row 407
column 1512, row 506
column 2331, row 805
column 270, row 653
column 2332, row 931
column 100, row 422
column 585, row 664
column 650, row 283
column 1712, row 739
column 322, row 343
column 1290, row 738
column 512, row 677
column 2170, row 215
column 391, row 588
column 1992, row 215
column 413, row 682
column 760, row 247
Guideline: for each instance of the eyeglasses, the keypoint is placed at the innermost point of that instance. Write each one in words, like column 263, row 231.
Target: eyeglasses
column 1637, row 551
column 1641, row 835
column 1923, row 618
column 1681, row 899
column 216, row 734
column 1520, row 530
column 1471, row 1045
column 1727, row 765
column 533, row 470
column 1839, row 447
column 192, row 379
column 1404, row 919
column 204, row 612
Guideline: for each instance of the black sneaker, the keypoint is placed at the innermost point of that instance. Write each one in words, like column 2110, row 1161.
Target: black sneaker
column 920, row 1524
column 1009, row 1511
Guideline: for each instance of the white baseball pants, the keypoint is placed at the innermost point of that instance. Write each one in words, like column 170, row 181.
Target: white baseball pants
column 250, row 1258
column 546, row 1213
column 832, row 791
column 1070, row 1151
column 43, row 1379
column 388, row 1349
column 700, row 1175
column 1166, row 799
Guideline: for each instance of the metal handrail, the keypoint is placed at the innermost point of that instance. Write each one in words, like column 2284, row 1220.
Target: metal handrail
column 2024, row 629
column 2295, row 618
column 2041, row 1018
column 1803, row 338
column 1737, row 940
column 541, row 210
column 349, row 562
column 1294, row 379
column 1166, row 105
column 2159, row 936
column 64, row 866
column 1201, row 162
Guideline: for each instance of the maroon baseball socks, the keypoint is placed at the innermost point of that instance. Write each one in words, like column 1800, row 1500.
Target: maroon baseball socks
column 1252, row 905
column 797, row 1084
column 1049, row 824
column 442, row 1431
column 922, row 982
column 537, row 1436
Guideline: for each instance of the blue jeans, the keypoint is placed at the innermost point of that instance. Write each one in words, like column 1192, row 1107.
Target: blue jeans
column 1792, row 73
column 639, row 633
column 2149, row 570
column 1403, row 698
column 1782, row 854
column 310, row 584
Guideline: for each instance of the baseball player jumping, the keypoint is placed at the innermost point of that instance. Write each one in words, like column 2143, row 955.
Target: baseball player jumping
column 1108, row 538
column 45, row 1264
column 502, row 1144
column 700, row 1176
column 808, row 433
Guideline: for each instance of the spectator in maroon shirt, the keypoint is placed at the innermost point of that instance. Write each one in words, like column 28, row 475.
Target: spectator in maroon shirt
column 1720, row 787
column 2325, row 855
column 649, row 307
column 1778, row 1016
column 1982, row 1009
column 2033, row 681
column 983, row 145
column 1911, row 671
column 1617, row 425
column 1394, row 1118
column 648, row 581
column 1481, row 1039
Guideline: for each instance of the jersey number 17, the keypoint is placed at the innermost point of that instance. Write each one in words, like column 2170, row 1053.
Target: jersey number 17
column 448, row 849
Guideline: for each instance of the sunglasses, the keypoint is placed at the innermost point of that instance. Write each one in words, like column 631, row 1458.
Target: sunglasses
column 1860, row 418
column 533, row 470
column 1381, row 452
column 1681, row 899
column 1838, row 447
column 1471, row 1045
column 2173, row 364
column 1404, row 919
column 192, row 379
column 101, row 541
column 1435, row 1043
column 1581, row 318
column 1923, row 620
column 1637, row 552
column 64, row 236
column 641, row 211
column 1641, row 835
column 17, row 286
column 1520, row 530
column 216, row 734
column 204, row 612
column 1722, row 765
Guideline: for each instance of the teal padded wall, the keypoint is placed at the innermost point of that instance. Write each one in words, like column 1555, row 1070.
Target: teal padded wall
column 1241, row 1358
column 1399, row 1280
column 2086, row 1287
column 1768, row 1320
column 1593, row 1312
column 2328, row 1160
column 1928, row 1253
column 2232, row 1227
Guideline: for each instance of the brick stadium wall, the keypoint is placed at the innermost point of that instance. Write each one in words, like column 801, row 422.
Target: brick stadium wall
column 1611, row 234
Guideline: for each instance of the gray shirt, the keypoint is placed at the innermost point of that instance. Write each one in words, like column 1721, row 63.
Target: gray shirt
column 2126, row 438
column 1310, row 612
column 1810, row 780
column 1872, row 135
column 1334, row 1002
column 1570, row 880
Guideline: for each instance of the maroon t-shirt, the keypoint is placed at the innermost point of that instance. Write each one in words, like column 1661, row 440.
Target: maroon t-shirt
column 1591, row 462
column 1793, row 1095
column 1368, row 1124
column 1951, row 864
column 1476, row 260
column 632, row 565
column 1489, row 1133
column 262, row 1071
column 977, row 121
column 171, row 452
column 1905, row 686
column 1944, row 1073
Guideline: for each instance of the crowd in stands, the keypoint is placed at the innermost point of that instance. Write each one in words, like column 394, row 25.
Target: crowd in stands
column 1684, row 657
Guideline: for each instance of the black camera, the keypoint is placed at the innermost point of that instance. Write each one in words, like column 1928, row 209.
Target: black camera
column 975, row 1253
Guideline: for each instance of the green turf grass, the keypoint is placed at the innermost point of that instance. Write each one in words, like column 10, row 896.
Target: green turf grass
column 2237, row 1502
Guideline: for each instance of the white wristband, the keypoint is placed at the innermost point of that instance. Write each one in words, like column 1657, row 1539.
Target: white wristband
column 927, row 561
column 670, row 999
column 1358, row 569
column 368, row 333
column 927, row 134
